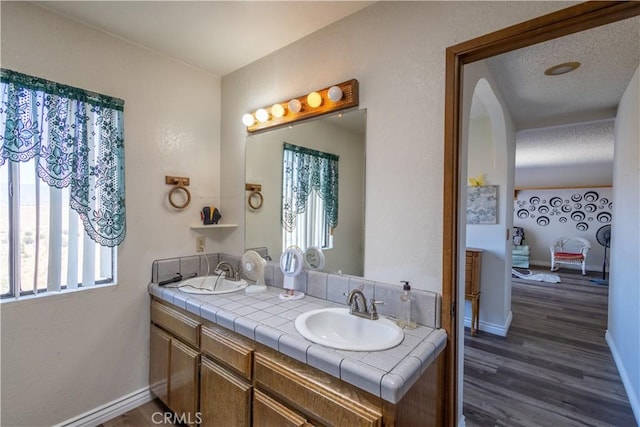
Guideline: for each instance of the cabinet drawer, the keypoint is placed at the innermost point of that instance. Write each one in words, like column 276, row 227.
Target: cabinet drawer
column 322, row 397
column 227, row 348
column 268, row 412
column 175, row 322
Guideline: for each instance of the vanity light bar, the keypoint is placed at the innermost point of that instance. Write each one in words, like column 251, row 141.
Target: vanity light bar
column 337, row 97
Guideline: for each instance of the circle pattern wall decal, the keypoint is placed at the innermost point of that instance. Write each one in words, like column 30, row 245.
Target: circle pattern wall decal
column 543, row 221
column 604, row 217
column 555, row 202
column 577, row 216
column 580, row 208
column 591, row 196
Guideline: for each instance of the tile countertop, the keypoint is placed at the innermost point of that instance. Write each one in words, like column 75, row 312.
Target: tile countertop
column 264, row 318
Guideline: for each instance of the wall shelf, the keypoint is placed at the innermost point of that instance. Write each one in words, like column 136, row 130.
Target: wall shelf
column 204, row 227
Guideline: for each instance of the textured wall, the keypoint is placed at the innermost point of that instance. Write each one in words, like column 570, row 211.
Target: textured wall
column 66, row 354
column 624, row 296
column 397, row 52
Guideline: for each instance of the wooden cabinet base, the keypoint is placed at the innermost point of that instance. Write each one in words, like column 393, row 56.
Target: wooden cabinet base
column 228, row 380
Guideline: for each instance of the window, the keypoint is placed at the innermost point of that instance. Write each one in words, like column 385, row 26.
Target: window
column 312, row 227
column 61, row 186
column 309, row 197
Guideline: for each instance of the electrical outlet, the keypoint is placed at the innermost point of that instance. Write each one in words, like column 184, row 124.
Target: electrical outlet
column 200, row 247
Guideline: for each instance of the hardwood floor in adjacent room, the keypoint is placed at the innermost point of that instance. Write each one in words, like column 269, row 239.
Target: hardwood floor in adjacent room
column 554, row 368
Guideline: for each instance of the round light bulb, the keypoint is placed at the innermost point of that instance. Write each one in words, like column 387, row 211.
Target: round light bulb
column 314, row 100
column 248, row 119
column 262, row 115
column 334, row 93
column 277, row 110
column 295, row 106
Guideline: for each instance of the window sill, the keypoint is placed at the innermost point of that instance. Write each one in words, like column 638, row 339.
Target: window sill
column 43, row 295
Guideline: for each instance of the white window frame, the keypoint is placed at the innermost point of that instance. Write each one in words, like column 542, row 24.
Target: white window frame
column 312, row 228
column 54, row 283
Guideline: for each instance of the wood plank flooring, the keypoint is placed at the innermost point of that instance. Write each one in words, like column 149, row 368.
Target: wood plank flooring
column 554, row 368
column 147, row 415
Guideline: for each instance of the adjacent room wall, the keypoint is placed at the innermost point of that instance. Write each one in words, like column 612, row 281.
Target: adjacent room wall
column 67, row 354
column 491, row 151
column 623, row 334
column 547, row 215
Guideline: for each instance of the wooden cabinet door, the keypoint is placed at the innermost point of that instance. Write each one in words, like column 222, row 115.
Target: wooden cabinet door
column 268, row 412
column 159, row 349
column 225, row 399
column 183, row 380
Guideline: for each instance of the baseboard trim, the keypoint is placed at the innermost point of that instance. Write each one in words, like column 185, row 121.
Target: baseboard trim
column 492, row 328
column 110, row 410
column 631, row 395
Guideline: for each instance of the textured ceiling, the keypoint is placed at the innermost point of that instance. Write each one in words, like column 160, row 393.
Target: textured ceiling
column 215, row 36
column 609, row 56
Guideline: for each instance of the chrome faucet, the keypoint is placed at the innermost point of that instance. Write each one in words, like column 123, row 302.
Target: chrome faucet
column 357, row 310
column 229, row 271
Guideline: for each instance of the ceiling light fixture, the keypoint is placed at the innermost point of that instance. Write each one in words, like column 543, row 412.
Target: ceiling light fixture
column 560, row 69
column 332, row 99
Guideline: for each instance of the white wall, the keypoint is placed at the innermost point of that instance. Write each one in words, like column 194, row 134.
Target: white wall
column 66, row 354
column 491, row 151
column 396, row 50
column 623, row 334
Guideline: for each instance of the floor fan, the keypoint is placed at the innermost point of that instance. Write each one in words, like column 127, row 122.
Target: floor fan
column 603, row 236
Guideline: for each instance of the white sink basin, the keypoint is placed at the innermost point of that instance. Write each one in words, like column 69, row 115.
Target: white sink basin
column 206, row 285
column 336, row 328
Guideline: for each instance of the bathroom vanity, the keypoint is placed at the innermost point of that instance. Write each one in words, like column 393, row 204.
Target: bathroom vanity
column 237, row 359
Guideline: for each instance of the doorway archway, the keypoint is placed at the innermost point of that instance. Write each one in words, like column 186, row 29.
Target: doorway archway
column 567, row 21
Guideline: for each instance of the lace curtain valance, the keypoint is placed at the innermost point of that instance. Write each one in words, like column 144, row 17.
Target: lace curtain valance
column 305, row 170
column 76, row 138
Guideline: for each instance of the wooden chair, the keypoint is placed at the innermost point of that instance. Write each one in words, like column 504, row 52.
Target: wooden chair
column 570, row 250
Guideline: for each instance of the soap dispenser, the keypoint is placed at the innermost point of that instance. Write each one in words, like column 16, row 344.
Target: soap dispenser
column 405, row 315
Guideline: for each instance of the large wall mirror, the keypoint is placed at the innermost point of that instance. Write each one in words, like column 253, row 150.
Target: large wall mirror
column 342, row 136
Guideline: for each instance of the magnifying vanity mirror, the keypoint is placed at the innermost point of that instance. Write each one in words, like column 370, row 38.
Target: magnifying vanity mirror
column 340, row 137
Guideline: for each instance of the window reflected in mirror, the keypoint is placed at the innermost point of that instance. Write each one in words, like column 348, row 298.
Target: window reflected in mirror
column 316, row 225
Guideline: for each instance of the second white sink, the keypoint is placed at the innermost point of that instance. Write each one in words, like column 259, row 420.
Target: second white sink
column 336, row 328
column 211, row 285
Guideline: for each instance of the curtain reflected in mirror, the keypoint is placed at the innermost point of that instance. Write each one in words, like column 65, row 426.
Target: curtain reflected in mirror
column 310, row 188
column 327, row 159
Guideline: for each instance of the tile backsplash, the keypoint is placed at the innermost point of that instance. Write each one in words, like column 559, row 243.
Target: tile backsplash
column 331, row 287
